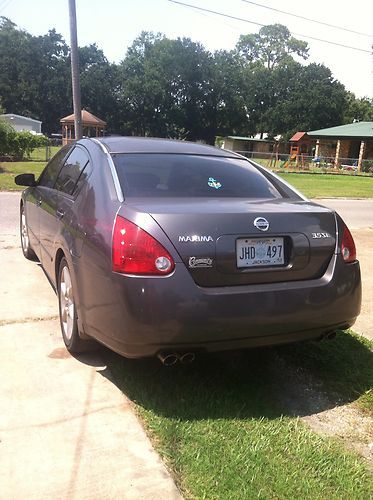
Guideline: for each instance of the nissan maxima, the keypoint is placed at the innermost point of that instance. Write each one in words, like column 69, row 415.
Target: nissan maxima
column 170, row 248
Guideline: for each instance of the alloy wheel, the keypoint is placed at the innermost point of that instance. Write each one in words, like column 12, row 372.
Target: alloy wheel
column 24, row 233
column 67, row 303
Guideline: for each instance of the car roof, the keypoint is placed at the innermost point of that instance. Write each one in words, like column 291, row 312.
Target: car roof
column 154, row 145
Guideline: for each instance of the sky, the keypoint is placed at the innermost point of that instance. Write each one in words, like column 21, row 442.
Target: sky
column 114, row 24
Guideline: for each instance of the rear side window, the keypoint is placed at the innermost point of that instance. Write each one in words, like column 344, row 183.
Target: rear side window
column 192, row 176
column 72, row 171
column 49, row 174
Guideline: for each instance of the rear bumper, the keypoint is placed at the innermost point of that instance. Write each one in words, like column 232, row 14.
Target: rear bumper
column 144, row 316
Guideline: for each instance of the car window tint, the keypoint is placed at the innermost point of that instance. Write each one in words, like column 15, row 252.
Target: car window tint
column 49, row 174
column 170, row 175
column 72, row 171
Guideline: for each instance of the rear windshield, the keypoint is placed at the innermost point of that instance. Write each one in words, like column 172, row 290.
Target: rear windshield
column 190, row 176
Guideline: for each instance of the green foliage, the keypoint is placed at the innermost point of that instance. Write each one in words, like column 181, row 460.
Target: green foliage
column 23, row 143
column 358, row 109
column 99, row 82
column 272, row 46
column 331, row 185
column 229, row 427
column 33, row 74
column 294, row 97
column 9, row 169
column 18, row 145
column 176, row 88
column 166, row 88
column 6, row 134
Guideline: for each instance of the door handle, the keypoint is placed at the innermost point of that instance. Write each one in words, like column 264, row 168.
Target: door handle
column 60, row 214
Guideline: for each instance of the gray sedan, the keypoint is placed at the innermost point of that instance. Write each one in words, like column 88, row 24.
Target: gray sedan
column 170, row 248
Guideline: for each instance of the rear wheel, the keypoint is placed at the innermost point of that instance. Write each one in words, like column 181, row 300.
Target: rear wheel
column 25, row 240
column 68, row 314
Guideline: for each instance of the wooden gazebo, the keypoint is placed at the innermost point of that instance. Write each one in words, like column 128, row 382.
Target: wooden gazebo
column 92, row 126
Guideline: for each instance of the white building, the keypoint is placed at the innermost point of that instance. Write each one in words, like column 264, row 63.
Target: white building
column 21, row 123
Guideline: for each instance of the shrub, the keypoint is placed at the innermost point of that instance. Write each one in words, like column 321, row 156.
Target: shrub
column 7, row 134
column 19, row 145
column 367, row 166
column 23, row 143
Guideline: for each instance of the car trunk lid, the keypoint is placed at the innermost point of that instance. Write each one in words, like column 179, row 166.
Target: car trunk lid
column 216, row 239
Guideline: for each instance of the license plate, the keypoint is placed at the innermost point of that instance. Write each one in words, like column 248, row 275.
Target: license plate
column 251, row 252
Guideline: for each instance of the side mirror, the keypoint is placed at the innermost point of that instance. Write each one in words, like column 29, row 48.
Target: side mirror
column 25, row 180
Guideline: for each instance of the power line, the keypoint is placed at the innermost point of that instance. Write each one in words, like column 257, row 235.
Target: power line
column 5, row 5
column 262, row 25
column 308, row 19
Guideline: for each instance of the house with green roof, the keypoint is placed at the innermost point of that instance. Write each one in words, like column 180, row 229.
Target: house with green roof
column 345, row 143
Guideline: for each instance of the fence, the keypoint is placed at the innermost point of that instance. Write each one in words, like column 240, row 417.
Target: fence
column 44, row 153
column 303, row 163
column 277, row 162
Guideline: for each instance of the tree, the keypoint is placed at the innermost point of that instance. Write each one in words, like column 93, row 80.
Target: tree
column 164, row 87
column 139, row 92
column 51, row 87
column 303, row 98
column 272, row 46
column 358, row 109
column 175, row 88
column 225, row 110
column 34, row 74
column 99, row 82
column 186, row 69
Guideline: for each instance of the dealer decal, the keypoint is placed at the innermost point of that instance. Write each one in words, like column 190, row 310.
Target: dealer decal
column 200, row 262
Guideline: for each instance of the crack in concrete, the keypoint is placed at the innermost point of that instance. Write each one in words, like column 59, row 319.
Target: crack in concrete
column 119, row 407
column 6, row 322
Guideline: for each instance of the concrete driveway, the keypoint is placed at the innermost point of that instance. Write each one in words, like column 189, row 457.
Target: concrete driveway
column 66, row 431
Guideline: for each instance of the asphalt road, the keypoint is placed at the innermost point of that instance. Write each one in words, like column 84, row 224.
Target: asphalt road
column 357, row 214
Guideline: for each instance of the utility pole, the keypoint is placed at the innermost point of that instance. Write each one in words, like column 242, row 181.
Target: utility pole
column 75, row 79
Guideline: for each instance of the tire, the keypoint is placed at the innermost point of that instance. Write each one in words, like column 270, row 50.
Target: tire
column 27, row 250
column 67, row 310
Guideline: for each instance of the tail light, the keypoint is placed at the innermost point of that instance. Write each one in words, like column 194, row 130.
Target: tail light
column 348, row 248
column 136, row 252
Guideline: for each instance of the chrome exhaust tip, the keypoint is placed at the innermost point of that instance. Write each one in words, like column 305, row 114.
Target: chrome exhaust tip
column 328, row 336
column 168, row 359
column 187, row 358
column 331, row 335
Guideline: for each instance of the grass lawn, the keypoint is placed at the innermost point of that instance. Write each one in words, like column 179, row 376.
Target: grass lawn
column 226, row 429
column 40, row 154
column 329, row 185
column 312, row 185
column 8, row 170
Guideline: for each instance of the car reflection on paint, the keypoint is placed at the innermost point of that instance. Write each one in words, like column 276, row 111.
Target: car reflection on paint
column 170, row 248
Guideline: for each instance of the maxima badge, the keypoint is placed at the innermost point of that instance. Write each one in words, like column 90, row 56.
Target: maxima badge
column 261, row 223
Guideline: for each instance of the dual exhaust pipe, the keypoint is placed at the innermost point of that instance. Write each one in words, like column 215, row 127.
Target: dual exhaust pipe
column 170, row 359
column 329, row 335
